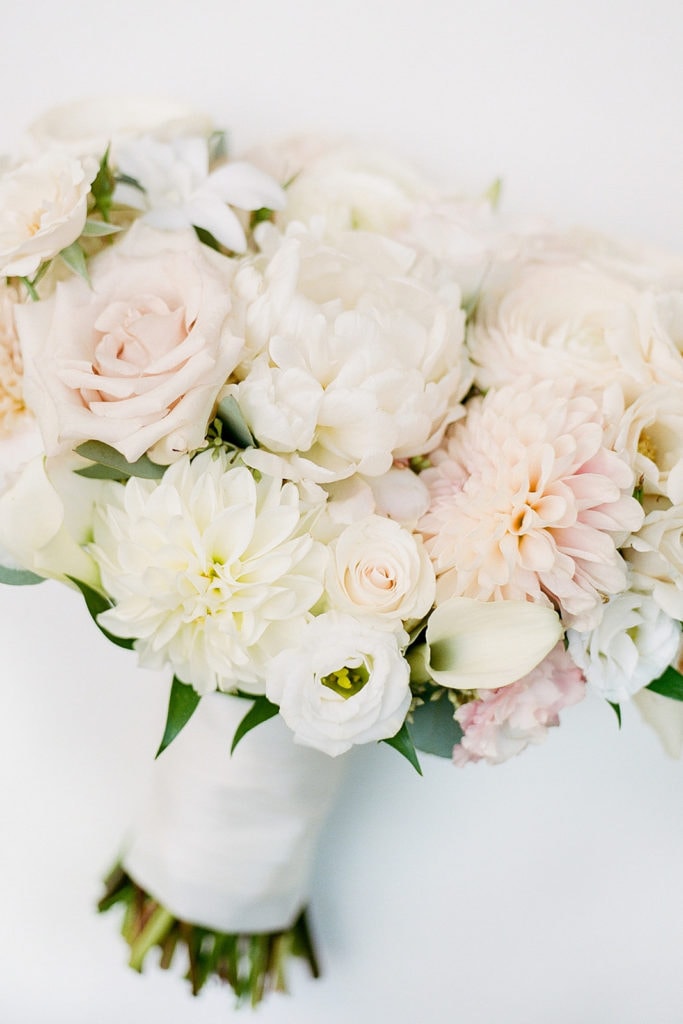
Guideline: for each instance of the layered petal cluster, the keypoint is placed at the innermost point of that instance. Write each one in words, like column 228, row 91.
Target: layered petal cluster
column 501, row 723
column 212, row 570
column 355, row 354
column 12, row 406
column 529, row 503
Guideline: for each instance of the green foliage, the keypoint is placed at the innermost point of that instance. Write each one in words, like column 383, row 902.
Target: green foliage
column 261, row 710
column 102, row 188
column 207, row 238
column 182, row 703
column 669, row 684
column 97, row 228
column 111, row 465
column 616, row 708
column 433, row 728
column 218, row 147
column 234, row 429
column 75, row 259
column 19, row 577
column 97, row 603
column 403, row 742
column 260, row 215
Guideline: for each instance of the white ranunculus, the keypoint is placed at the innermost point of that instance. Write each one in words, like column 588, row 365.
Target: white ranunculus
column 178, row 190
column 352, row 359
column 344, row 683
column 88, row 126
column 377, row 569
column 655, row 554
column 137, row 360
column 212, row 571
column 651, row 435
column 43, row 207
column 633, row 644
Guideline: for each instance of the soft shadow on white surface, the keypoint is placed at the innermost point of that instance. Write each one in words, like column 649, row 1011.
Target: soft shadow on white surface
column 545, row 890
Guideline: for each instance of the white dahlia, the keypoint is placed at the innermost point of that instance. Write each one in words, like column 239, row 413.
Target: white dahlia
column 212, row 570
column 529, row 503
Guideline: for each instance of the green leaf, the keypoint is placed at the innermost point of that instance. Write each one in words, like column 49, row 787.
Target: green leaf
column 235, row 429
column 218, row 146
column 260, row 215
column 260, row 711
column 493, row 193
column 74, row 257
column 433, row 729
column 182, row 704
column 403, row 742
column 104, row 455
column 103, row 186
column 19, row 577
column 97, row 603
column 207, row 238
column 95, row 228
column 616, row 708
column 96, row 472
column 669, row 684
column 125, row 179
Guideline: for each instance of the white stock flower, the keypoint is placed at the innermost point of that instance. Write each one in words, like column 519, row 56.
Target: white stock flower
column 43, row 207
column 632, row 645
column 354, row 358
column 212, row 571
column 180, row 192
column 137, row 360
column 379, row 570
column 344, row 683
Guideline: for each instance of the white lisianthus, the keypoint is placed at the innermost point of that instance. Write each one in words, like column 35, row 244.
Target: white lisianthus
column 178, row 191
column 377, row 569
column 137, row 360
column 651, row 435
column 212, row 571
column 344, row 683
column 43, row 207
column 633, row 644
column 655, row 554
column 354, row 357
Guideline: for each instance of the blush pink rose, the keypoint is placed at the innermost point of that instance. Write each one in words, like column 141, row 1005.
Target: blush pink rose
column 137, row 360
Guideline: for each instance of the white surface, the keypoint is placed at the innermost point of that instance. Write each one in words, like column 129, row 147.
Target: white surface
column 546, row 891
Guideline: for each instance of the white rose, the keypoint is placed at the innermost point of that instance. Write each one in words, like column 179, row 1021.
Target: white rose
column 89, row 126
column 345, row 683
column 380, row 570
column 138, row 360
column 633, row 644
column 43, row 207
column 655, row 554
column 651, row 434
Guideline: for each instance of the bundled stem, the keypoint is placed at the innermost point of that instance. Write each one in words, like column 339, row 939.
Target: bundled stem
column 252, row 964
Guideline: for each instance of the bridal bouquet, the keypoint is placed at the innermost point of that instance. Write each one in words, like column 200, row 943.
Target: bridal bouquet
column 354, row 458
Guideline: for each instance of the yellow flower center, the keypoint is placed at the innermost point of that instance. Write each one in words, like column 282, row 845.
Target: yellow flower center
column 346, row 681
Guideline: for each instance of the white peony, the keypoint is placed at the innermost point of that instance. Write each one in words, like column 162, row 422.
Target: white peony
column 212, row 571
column 43, row 207
column 379, row 570
column 633, row 644
column 178, row 190
column 344, row 683
column 353, row 358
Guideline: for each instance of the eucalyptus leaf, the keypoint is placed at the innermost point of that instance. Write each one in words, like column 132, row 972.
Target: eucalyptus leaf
column 74, row 257
column 97, row 603
column 403, row 742
column 104, row 455
column 182, row 704
column 235, row 429
column 261, row 710
column 96, row 228
column 433, row 729
column 19, row 577
column 669, row 684
column 96, row 472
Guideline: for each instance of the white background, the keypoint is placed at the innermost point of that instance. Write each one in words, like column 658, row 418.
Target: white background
column 546, row 891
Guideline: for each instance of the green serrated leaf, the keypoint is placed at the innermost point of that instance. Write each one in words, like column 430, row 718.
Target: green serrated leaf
column 616, row 708
column 669, row 684
column 403, row 742
column 97, row 603
column 95, row 228
column 75, row 259
column 433, row 728
column 19, row 577
column 104, row 455
column 261, row 710
column 235, row 429
column 182, row 704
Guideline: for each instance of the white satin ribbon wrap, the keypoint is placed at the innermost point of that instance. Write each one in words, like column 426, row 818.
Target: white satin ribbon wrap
column 228, row 842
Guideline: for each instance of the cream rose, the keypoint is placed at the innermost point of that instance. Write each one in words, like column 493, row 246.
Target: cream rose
column 43, row 207
column 378, row 569
column 138, row 360
column 651, row 434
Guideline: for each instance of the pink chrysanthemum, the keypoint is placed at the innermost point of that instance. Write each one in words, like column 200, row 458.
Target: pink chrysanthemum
column 528, row 503
column 501, row 723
